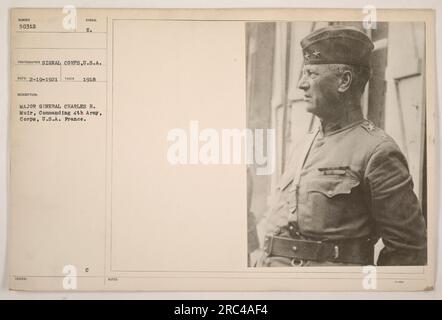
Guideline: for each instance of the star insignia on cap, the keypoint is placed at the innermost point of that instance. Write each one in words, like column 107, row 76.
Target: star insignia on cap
column 307, row 56
column 316, row 53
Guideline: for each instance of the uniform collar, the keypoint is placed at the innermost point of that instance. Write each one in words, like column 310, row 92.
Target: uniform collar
column 336, row 128
column 352, row 117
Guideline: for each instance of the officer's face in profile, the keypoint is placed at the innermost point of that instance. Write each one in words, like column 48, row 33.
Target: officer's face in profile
column 320, row 85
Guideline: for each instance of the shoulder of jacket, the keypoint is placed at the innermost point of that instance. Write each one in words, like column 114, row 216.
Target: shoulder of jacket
column 381, row 144
column 375, row 139
column 371, row 130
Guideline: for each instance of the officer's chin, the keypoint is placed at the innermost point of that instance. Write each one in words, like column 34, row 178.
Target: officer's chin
column 310, row 107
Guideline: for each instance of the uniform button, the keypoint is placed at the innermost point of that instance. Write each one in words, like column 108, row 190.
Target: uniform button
column 330, row 192
column 291, row 227
column 294, row 248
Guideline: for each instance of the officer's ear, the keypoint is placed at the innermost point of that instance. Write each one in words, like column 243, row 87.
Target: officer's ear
column 345, row 81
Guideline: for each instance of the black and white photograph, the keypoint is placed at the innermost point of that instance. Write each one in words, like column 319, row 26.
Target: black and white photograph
column 234, row 150
column 347, row 103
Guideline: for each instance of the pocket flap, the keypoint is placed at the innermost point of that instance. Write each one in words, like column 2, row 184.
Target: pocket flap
column 331, row 187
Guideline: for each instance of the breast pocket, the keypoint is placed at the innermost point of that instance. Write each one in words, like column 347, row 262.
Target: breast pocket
column 331, row 199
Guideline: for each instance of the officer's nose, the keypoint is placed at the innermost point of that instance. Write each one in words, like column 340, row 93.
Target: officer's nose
column 303, row 84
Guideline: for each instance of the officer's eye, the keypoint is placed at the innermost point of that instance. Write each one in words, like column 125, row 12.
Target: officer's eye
column 310, row 73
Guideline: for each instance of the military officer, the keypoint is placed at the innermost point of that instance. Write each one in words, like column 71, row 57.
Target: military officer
column 348, row 185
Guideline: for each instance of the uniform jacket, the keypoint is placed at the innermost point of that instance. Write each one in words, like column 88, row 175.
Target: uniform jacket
column 354, row 183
